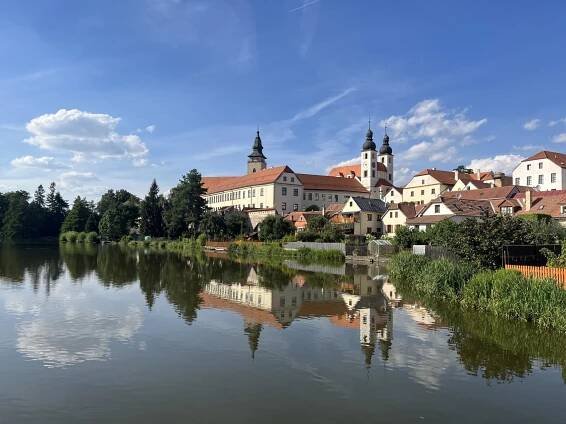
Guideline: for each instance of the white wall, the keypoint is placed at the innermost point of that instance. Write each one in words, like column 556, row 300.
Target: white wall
column 532, row 169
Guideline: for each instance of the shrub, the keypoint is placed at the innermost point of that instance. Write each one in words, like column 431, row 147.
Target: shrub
column 201, row 240
column 81, row 237
column 71, row 236
column 91, row 237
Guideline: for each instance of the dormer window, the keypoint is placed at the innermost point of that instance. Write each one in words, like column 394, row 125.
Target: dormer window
column 563, row 209
column 436, row 208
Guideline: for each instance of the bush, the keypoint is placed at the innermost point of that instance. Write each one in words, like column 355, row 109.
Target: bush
column 91, row 237
column 81, row 237
column 201, row 240
column 71, row 236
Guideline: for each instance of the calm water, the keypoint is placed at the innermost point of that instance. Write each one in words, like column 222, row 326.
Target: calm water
column 118, row 336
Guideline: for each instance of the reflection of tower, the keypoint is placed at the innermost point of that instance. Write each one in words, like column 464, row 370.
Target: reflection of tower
column 253, row 331
column 386, row 337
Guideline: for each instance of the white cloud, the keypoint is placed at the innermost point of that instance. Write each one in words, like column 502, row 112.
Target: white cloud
column 558, row 121
column 305, row 4
column 434, row 130
column 85, row 135
column 150, row 128
column 559, row 138
column 81, row 183
column 498, row 163
column 42, row 162
column 531, row 125
column 529, row 147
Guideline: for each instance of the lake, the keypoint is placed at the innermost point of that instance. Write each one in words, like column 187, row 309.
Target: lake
column 116, row 335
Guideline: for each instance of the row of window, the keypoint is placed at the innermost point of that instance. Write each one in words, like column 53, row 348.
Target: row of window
column 234, row 195
column 284, row 191
column 323, row 196
column 432, row 191
column 529, row 166
column 284, row 206
column 540, row 179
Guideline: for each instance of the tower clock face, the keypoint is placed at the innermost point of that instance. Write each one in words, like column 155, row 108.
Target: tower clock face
column 365, row 165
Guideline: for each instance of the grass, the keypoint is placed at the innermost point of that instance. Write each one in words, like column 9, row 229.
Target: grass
column 275, row 251
column 504, row 293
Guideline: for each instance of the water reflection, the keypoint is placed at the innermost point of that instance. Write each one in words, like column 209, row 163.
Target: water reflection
column 83, row 299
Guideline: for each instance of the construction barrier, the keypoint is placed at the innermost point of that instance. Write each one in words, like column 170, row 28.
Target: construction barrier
column 558, row 274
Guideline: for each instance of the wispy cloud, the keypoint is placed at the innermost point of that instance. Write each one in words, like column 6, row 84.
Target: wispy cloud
column 305, row 4
column 314, row 109
column 556, row 122
column 531, row 125
column 559, row 138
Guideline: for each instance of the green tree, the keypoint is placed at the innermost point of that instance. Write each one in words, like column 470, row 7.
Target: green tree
column 274, row 227
column 317, row 223
column 77, row 217
column 237, row 223
column 14, row 219
column 57, row 209
column 39, row 196
column 186, row 205
column 213, row 226
column 152, row 213
column 112, row 225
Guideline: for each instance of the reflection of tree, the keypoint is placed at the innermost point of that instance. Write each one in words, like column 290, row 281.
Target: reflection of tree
column 500, row 349
column 80, row 259
column 41, row 263
column 253, row 331
column 117, row 265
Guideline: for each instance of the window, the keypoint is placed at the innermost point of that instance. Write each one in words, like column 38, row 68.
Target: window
column 368, row 230
column 304, row 196
column 422, row 192
column 261, row 205
column 528, row 167
column 261, row 191
column 412, row 194
column 396, row 214
column 390, row 177
column 365, row 155
column 249, row 193
column 335, row 197
column 323, row 196
column 316, row 196
column 284, row 206
column 541, row 179
column 292, row 179
column 436, row 208
column 295, row 192
column 370, row 217
column 310, row 196
column 517, row 181
column 284, row 191
column 563, row 209
column 365, row 173
column 553, row 177
column 284, row 178
column 422, row 182
column 296, row 207
column 253, row 192
column 432, row 191
column 382, row 160
column 529, row 180
column 373, row 173
column 507, row 210
column 282, row 302
column 540, row 165
column 351, row 204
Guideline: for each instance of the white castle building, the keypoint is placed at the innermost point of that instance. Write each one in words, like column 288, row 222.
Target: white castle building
column 283, row 190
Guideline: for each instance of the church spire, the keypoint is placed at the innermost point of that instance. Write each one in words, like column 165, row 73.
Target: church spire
column 385, row 148
column 256, row 159
column 369, row 144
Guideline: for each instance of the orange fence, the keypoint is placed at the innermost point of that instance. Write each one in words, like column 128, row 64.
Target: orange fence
column 558, row 274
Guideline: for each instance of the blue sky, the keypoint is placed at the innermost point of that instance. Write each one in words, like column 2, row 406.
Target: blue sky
column 110, row 94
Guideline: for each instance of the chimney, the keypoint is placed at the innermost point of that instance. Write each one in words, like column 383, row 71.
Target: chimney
column 528, row 200
column 478, row 174
column 498, row 179
column 456, row 174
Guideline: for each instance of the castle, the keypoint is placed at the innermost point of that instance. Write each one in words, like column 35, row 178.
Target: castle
column 283, row 190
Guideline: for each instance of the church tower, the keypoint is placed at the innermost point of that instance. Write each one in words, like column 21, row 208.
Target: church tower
column 369, row 176
column 386, row 156
column 256, row 161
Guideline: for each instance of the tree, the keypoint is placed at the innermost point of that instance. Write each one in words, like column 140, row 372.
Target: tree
column 312, row 208
column 57, row 209
column 39, row 196
column 186, row 205
column 119, row 211
column 316, row 223
column 78, row 216
column 213, row 226
column 237, row 223
column 13, row 220
column 112, row 225
column 152, row 213
column 274, row 227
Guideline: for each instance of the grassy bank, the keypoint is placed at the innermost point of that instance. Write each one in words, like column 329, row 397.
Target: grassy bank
column 274, row 251
column 503, row 293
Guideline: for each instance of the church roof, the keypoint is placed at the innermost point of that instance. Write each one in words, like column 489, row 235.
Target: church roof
column 257, row 148
column 325, row 182
column 265, row 176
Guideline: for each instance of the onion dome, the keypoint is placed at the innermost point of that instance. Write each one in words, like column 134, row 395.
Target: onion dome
column 369, row 144
column 385, row 148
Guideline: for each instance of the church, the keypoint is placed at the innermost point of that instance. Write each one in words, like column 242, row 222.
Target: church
column 284, row 190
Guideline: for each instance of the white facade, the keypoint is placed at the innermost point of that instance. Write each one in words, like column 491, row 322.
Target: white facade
column 542, row 174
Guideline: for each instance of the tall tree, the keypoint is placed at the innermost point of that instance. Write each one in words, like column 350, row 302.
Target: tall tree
column 77, row 216
column 152, row 213
column 186, row 206
column 57, row 209
column 39, row 196
column 14, row 219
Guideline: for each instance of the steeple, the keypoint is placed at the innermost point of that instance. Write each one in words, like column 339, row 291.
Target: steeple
column 369, row 144
column 385, row 148
column 256, row 159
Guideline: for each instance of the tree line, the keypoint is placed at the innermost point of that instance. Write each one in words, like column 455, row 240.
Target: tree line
column 118, row 213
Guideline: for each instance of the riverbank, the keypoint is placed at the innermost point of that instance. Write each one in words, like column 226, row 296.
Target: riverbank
column 503, row 293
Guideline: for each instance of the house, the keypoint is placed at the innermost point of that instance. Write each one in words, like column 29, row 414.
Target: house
column 301, row 219
column 552, row 203
column 282, row 189
column 544, row 170
column 366, row 214
column 257, row 216
column 397, row 214
column 479, row 180
column 394, row 195
column 452, row 208
column 429, row 184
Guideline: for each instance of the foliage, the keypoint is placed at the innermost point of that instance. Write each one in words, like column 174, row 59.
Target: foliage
column 504, row 293
column 77, row 217
column 152, row 223
column 406, row 237
column 213, row 226
column 119, row 212
column 553, row 260
column 81, row 237
column 274, row 227
column 91, row 237
column 185, row 206
column 237, row 223
column 312, row 208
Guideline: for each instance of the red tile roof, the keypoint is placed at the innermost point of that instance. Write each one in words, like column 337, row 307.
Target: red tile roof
column 486, row 194
column 409, row 209
column 355, row 170
column 545, row 202
column 443, row 177
column 556, row 157
column 266, row 176
column 323, row 182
